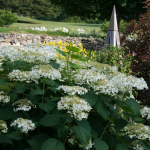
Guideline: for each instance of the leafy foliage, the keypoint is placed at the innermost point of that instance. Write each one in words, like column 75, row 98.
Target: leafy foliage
column 7, row 18
column 140, row 47
column 46, row 126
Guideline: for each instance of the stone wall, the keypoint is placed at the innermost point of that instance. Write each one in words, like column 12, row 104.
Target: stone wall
column 20, row 39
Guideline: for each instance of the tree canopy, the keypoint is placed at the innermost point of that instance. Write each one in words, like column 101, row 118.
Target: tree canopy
column 102, row 9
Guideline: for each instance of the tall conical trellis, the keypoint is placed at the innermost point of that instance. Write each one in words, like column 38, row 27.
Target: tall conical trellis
column 112, row 33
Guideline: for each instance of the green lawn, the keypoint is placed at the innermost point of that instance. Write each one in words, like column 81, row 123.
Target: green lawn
column 27, row 22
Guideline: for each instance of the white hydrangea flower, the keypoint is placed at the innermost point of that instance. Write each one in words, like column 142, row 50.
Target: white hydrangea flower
column 138, row 130
column 4, row 98
column 72, row 90
column 145, row 112
column 23, row 124
column 88, row 145
column 26, row 76
column 46, row 71
column 75, row 106
column 32, row 53
column 3, row 126
column 23, row 104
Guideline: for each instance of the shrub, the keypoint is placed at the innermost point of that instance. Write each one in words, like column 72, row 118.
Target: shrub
column 105, row 25
column 7, row 18
column 74, row 19
column 140, row 47
column 55, row 99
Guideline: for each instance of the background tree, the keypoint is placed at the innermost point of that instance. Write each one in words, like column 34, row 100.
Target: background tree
column 102, row 9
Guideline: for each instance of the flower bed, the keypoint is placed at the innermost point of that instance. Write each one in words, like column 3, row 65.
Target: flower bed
column 55, row 99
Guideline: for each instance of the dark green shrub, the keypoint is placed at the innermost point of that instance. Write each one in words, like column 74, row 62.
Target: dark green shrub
column 7, row 18
column 105, row 26
column 74, row 19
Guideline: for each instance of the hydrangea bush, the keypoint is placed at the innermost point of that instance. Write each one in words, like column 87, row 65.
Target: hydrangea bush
column 54, row 99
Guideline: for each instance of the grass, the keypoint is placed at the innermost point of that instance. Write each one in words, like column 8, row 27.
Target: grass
column 93, row 29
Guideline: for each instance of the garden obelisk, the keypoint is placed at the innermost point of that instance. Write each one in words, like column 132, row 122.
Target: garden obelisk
column 112, row 33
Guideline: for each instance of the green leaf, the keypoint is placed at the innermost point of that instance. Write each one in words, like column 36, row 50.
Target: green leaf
column 84, row 124
column 48, row 106
column 15, row 135
column 55, row 99
column 138, row 120
column 36, row 92
column 91, row 98
column 102, row 109
column 146, row 145
column 54, row 65
column 3, row 82
column 119, row 124
column 62, row 130
column 66, row 118
column 81, row 134
column 61, row 52
column 4, row 139
column 100, row 145
column 13, row 96
column 94, row 134
column 134, row 105
column 74, row 66
column 129, row 114
column 50, row 82
column 50, row 120
column 6, row 112
column 53, row 89
column 121, row 147
column 75, row 56
column 73, row 49
column 53, row 144
column 38, row 139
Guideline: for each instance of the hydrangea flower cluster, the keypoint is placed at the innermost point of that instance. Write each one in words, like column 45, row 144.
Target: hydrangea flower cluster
column 3, row 126
column 23, row 124
column 31, row 53
column 145, row 112
column 72, row 90
column 46, row 71
column 137, row 145
column 106, row 79
column 23, row 104
column 75, row 106
column 138, row 130
column 4, row 98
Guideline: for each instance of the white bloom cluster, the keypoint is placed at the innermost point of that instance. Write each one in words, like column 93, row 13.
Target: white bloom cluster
column 138, row 130
column 80, row 31
column 46, row 71
column 4, row 98
column 27, row 76
column 65, row 30
column 106, row 79
column 23, row 104
column 72, row 90
column 23, row 124
column 3, row 126
column 38, row 28
column 145, row 112
column 75, row 106
column 32, row 53
column 137, row 145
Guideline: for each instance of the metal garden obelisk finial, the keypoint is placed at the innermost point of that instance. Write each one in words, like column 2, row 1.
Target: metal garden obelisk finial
column 112, row 33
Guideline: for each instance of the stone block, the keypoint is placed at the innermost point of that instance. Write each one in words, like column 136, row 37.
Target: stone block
column 29, row 41
column 4, row 44
column 24, row 35
column 1, row 39
column 7, row 40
